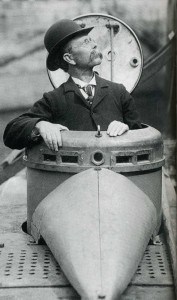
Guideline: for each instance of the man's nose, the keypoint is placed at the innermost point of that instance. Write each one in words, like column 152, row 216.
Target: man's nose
column 94, row 44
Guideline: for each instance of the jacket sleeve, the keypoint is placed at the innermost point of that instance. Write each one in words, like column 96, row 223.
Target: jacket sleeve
column 130, row 114
column 17, row 134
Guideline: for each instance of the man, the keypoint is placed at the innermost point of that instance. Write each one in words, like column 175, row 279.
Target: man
column 82, row 103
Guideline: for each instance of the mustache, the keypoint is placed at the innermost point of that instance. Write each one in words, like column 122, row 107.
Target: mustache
column 96, row 54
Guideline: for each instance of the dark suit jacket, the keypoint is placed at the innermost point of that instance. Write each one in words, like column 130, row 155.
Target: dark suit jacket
column 66, row 106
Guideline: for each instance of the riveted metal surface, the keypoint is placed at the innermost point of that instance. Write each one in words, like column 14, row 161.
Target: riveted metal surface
column 24, row 264
column 122, row 55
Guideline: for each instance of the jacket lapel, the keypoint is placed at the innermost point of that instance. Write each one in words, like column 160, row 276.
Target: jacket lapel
column 101, row 91
column 70, row 86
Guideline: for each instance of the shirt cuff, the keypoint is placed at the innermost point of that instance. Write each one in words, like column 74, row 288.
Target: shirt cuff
column 35, row 134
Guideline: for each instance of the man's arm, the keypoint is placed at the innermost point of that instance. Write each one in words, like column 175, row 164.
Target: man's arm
column 130, row 115
column 18, row 133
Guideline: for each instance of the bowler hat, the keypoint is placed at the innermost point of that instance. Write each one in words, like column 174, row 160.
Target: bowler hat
column 57, row 36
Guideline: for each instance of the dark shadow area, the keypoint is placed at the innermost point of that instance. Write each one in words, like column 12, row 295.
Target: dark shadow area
column 24, row 229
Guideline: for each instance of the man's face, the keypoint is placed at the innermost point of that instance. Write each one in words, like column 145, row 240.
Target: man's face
column 85, row 52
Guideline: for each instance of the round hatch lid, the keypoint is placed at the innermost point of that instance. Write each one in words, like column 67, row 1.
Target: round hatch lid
column 122, row 54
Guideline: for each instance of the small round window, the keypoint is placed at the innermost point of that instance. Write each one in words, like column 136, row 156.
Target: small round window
column 97, row 158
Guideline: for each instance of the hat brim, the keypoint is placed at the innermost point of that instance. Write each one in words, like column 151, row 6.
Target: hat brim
column 51, row 58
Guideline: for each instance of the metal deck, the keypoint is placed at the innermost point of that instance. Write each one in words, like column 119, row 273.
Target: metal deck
column 29, row 271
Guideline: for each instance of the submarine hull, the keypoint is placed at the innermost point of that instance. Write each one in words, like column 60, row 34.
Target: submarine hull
column 97, row 225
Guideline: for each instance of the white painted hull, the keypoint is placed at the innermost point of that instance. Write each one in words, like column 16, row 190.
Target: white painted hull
column 97, row 224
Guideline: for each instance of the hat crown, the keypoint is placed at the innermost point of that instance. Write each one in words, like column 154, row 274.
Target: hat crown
column 57, row 36
column 58, row 32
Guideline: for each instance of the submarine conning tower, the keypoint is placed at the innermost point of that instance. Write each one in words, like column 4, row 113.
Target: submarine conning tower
column 138, row 155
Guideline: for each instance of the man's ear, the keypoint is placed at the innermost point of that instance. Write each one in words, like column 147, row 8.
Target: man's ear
column 69, row 58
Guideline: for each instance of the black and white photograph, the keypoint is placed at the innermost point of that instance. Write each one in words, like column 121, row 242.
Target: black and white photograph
column 88, row 206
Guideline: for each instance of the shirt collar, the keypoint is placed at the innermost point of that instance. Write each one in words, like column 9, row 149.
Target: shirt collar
column 82, row 83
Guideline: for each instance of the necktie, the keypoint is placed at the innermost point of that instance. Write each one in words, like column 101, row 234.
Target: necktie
column 88, row 90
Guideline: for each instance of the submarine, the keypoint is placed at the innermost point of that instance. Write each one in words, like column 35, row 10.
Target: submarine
column 96, row 204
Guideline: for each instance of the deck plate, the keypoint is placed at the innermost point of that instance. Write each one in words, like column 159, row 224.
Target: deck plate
column 25, row 264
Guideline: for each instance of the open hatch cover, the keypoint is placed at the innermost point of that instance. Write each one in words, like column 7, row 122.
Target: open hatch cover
column 122, row 55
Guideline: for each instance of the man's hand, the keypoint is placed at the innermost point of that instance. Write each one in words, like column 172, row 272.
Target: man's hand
column 51, row 134
column 117, row 128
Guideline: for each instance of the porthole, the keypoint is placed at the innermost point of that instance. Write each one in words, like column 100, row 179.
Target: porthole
column 97, row 158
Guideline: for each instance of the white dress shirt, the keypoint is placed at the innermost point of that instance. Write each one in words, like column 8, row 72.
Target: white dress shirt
column 82, row 84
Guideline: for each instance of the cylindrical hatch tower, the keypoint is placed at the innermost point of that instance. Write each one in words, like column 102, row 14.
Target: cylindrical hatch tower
column 137, row 154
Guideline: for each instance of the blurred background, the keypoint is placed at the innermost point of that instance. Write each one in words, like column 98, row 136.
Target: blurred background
column 22, row 57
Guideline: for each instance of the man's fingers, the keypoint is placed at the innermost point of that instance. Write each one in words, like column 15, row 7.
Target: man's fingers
column 51, row 134
column 49, row 142
column 55, row 140
column 48, row 139
column 123, row 129
column 110, row 127
column 113, row 127
column 120, row 129
column 117, row 128
column 114, row 132
column 58, row 139
column 55, row 144
column 61, row 127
